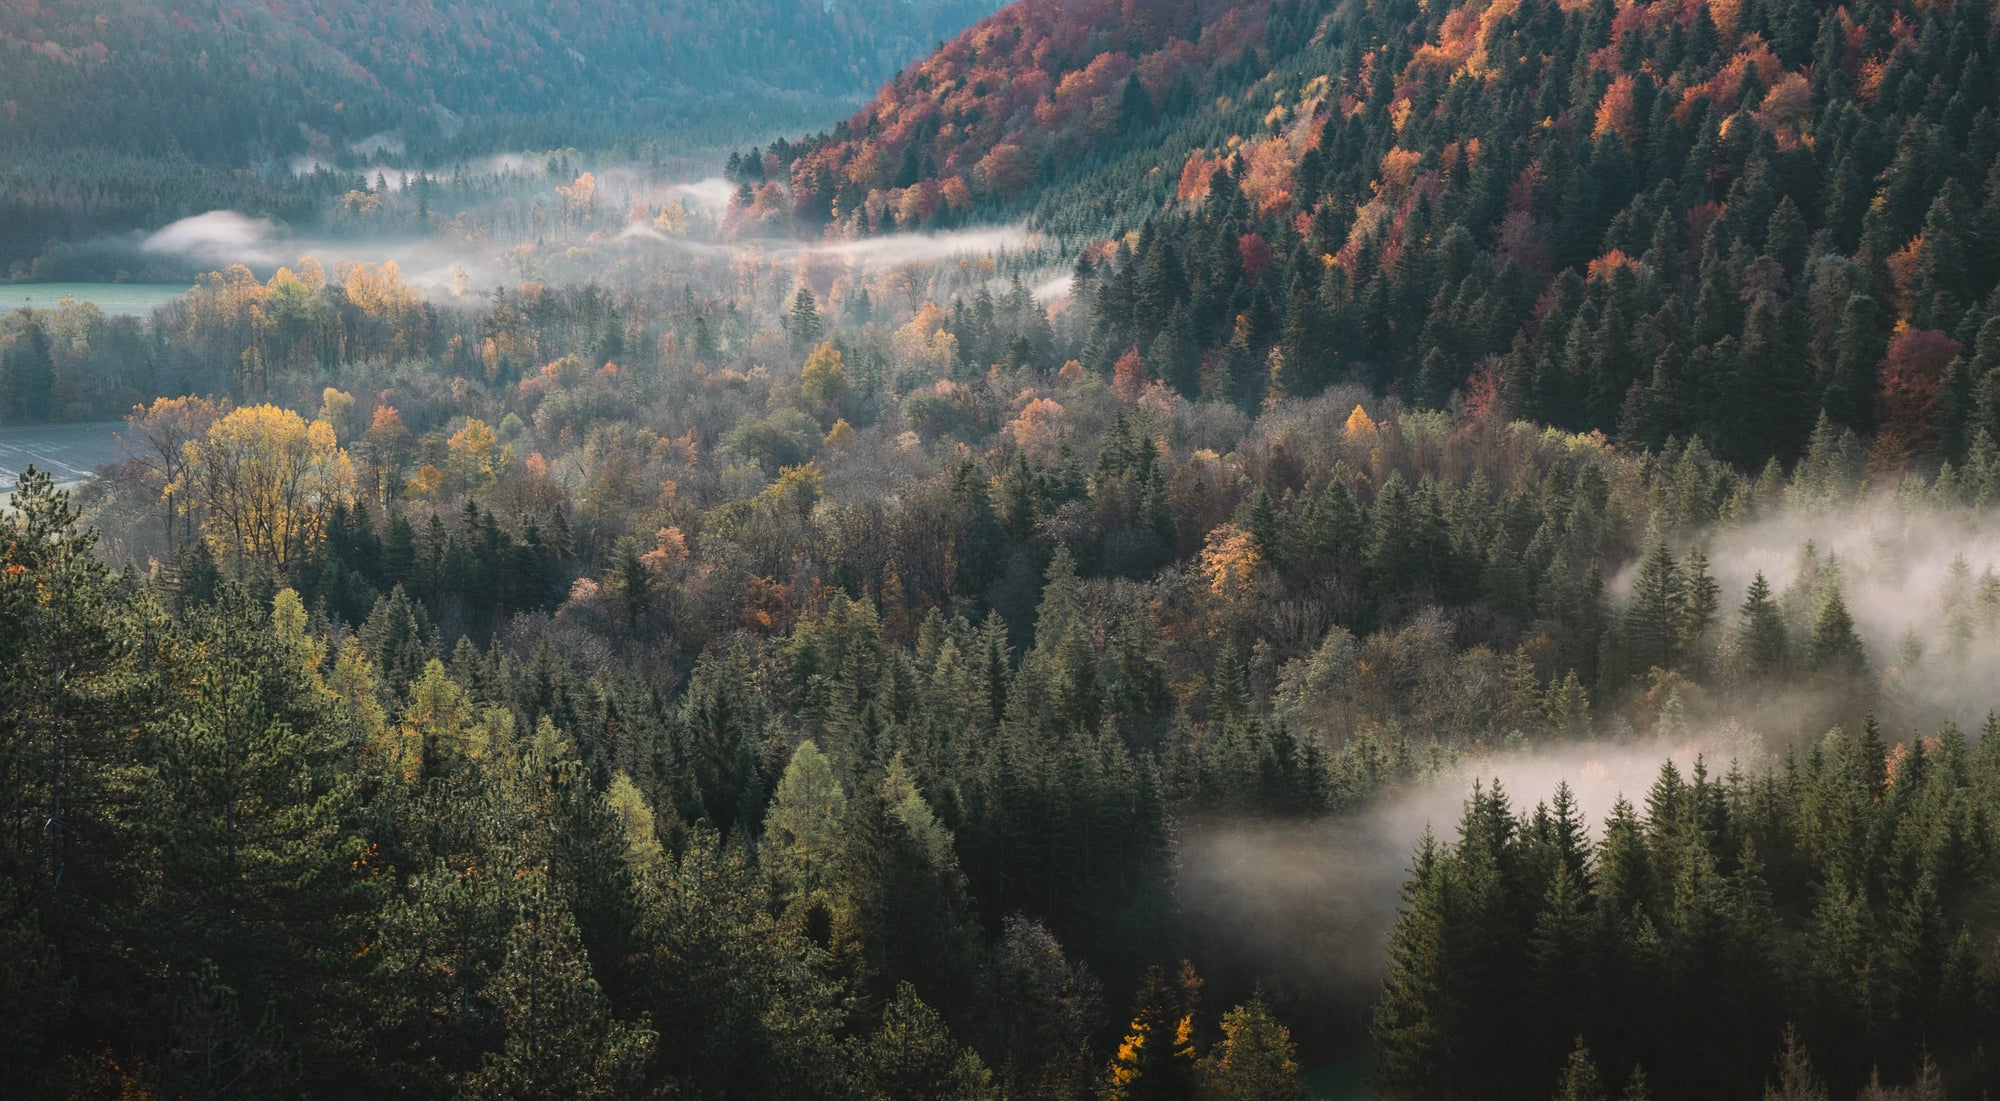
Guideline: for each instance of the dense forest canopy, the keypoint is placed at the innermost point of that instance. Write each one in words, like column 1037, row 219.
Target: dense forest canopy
column 234, row 84
column 1185, row 551
column 1652, row 220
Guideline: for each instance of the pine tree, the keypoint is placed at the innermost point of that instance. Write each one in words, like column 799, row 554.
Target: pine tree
column 1157, row 1061
column 1761, row 635
column 1834, row 650
column 1654, row 613
column 802, row 324
column 1580, row 1080
column 1255, row 1060
column 1700, row 597
column 558, row 1038
column 913, row 1055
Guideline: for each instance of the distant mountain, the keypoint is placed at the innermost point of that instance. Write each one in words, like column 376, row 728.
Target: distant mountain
column 1684, row 219
column 230, row 83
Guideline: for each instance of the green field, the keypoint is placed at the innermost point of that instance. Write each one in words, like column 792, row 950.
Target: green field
column 69, row 451
column 118, row 299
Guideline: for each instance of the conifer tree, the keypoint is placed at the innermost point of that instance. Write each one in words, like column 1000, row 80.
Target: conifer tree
column 1158, row 1060
column 1761, row 635
column 1254, row 1060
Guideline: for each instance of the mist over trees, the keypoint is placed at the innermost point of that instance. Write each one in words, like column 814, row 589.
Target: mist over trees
column 575, row 632
column 118, row 112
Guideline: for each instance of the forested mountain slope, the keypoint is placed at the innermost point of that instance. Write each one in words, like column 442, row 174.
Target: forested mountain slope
column 122, row 115
column 229, row 83
column 1654, row 220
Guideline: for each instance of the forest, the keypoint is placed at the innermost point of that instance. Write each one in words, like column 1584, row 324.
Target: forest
column 112, row 111
column 1450, row 556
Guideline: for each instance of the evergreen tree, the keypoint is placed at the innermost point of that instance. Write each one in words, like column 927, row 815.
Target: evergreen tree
column 1158, row 1057
column 1254, row 1061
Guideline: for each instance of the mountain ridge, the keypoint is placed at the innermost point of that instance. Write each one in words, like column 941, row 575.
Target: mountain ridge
column 238, row 82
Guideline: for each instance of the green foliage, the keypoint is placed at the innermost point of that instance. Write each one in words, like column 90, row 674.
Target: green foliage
column 1730, row 910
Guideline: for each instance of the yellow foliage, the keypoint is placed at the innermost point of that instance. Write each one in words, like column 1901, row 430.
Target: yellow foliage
column 580, row 195
column 288, row 626
column 336, row 408
column 823, row 380
column 1399, row 167
column 377, row 289
column 353, row 680
column 441, row 717
column 1360, row 426
column 268, row 479
column 474, row 457
column 797, row 489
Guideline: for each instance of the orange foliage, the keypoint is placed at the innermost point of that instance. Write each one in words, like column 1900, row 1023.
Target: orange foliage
column 1128, row 376
column 1605, row 266
column 1399, row 167
column 1196, row 176
column 1268, row 183
column 1037, row 78
column 1725, row 88
column 1038, row 428
column 1230, row 560
column 1497, row 13
column 669, row 547
column 1903, row 270
column 1787, row 109
column 1617, row 113
column 1458, row 36
column 1727, row 15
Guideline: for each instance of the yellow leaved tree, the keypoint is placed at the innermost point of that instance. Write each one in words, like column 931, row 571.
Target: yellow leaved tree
column 823, row 382
column 266, row 479
column 474, row 457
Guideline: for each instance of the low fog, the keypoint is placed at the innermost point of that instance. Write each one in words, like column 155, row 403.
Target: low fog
column 1921, row 581
column 220, row 238
column 1314, row 902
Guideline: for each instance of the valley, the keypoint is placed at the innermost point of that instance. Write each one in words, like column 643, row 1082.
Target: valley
column 1066, row 551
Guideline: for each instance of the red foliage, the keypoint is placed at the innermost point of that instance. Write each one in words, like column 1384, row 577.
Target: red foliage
column 1254, row 252
column 1483, row 405
column 1128, row 376
column 1525, row 242
column 1699, row 219
column 1910, row 374
column 1038, row 78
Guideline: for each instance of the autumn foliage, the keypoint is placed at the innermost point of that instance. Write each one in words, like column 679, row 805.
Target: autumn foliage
column 1910, row 375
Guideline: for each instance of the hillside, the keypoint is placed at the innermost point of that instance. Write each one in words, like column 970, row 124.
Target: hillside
column 1680, row 218
column 1486, row 586
column 231, row 83
column 122, row 115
